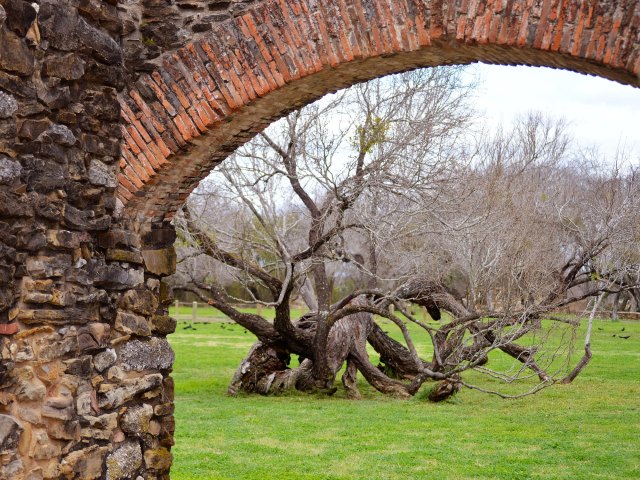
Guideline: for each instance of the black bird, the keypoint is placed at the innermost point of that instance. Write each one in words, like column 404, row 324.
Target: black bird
column 625, row 336
column 623, row 329
column 600, row 328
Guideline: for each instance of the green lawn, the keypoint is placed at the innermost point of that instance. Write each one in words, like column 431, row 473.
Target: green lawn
column 210, row 314
column 590, row 429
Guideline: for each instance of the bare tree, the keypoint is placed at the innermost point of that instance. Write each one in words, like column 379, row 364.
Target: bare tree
column 382, row 185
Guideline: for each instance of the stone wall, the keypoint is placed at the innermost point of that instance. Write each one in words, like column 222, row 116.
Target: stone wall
column 85, row 390
column 111, row 112
column 154, row 27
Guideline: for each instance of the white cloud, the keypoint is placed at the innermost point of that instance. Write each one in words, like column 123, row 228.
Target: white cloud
column 601, row 112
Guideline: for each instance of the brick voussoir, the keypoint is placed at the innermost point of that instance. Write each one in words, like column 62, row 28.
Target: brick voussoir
column 271, row 45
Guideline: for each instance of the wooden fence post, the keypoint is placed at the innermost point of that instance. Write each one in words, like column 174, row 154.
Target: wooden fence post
column 194, row 311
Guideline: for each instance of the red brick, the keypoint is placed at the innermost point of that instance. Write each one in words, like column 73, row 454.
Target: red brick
column 200, row 88
column 9, row 328
column 151, row 82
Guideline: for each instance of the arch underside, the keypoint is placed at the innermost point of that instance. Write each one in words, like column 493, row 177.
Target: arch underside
column 210, row 97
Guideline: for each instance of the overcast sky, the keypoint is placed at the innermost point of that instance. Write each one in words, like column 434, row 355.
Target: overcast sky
column 600, row 111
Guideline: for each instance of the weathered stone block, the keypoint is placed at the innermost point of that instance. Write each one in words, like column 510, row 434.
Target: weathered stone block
column 30, row 129
column 85, row 401
column 128, row 323
column 67, row 31
column 158, row 459
column 10, row 170
column 13, row 469
column 8, row 106
column 42, row 448
column 85, row 464
column 85, row 220
column 140, row 301
column 117, row 277
column 100, row 428
column 135, row 420
column 163, row 324
column 139, row 355
column 49, row 372
column 69, row 430
column 12, row 206
column 100, row 145
column 63, row 414
column 159, row 238
column 112, row 396
column 30, row 415
column 10, row 430
column 28, row 386
column 108, row 421
column 117, row 255
column 102, row 175
column 93, row 337
column 67, row 67
column 125, row 461
column 15, row 55
column 56, row 297
column 80, row 367
column 20, row 16
column 160, row 262
column 104, row 360
column 54, row 350
column 58, row 317
column 66, row 239
column 48, row 267
column 59, row 134
column 164, row 409
column 116, row 238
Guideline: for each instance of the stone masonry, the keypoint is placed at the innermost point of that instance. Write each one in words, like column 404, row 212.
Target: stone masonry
column 111, row 111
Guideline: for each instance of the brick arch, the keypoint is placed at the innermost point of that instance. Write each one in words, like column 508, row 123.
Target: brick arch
column 210, row 96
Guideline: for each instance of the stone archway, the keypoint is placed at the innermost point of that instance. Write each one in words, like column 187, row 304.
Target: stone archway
column 112, row 111
column 206, row 98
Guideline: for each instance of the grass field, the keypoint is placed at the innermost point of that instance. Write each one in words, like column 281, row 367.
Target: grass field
column 210, row 314
column 590, row 429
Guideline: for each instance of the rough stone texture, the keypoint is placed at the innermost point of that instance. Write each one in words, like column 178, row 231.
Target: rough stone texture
column 112, row 111
column 67, row 256
column 153, row 354
column 160, row 262
column 125, row 461
column 9, row 169
column 84, row 464
column 8, row 105
column 10, row 431
column 112, row 396
column 158, row 459
column 136, row 420
column 104, row 360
